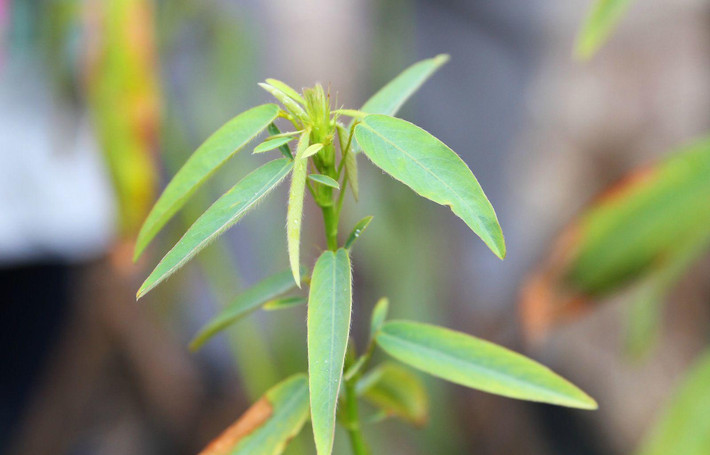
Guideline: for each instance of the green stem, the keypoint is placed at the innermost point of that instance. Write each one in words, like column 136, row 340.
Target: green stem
column 330, row 220
column 357, row 441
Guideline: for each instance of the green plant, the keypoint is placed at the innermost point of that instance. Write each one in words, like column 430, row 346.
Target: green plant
column 325, row 164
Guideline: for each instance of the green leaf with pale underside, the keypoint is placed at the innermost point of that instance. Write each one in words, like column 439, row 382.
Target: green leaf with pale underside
column 426, row 165
column 219, row 147
column 250, row 300
column 268, row 426
column 294, row 211
column 219, row 217
column 476, row 363
column 329, row 305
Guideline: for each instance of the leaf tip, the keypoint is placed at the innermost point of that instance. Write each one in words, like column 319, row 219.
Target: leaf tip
column 441, row 59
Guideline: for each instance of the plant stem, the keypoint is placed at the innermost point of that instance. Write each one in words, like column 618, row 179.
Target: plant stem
column 357, row 441
column 330, row 220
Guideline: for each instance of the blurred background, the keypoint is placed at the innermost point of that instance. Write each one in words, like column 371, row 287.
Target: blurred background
column 102, row 100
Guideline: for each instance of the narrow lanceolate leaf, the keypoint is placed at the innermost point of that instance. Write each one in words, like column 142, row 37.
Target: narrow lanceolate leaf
column 275, row 133
column 312, row 150
column 329, row 304
column 396, row 391
column 219, row 217
column 284, row 302
column 224, row 143
column 379, row 314
column 684, row 427
column 324, row 180
column 426, row 165
column 357, row 231
column 287, row 89
column 271, row 144
column 268, row 426
column 600, row 23
column 295, row 206
column 476, row 363
column 292, row 106
column 392, row 96
column 250, row 300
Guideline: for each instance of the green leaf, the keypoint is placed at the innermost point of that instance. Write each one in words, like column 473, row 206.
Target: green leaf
column 269, row 425
column 250, row 300
column 392, row 96
column 219, row 217
column 295, row 206
column 426, row 165
column 275, row 133
column 350, row 157
column 476, row 363
column 292, row 106
column 329, row 305
column 312, row 150
column 379, row 314
column 597, row 28
column 684, row 427
column 324, row 180
column 397, row 392
column 350, row 113
column 272, row 144
column 219, row 147
column 284, row 302
column 287, row 89
column 357, row 230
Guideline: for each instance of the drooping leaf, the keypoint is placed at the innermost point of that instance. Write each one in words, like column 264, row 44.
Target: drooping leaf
column 601, row 21
column 295, row 206
column 284, row 303
column 219, row 217
column 250, row 300
column 329, row 305
column 426, row 165
column 219, row 147
column 684, row 427
column 357, row 231
column 287, row 89
column 379, row 314
column 269, row 425
column 272, row 144
column 396, row 391
column 627, row 233
column 324, row 180
column 392, row 96
column 476, row 363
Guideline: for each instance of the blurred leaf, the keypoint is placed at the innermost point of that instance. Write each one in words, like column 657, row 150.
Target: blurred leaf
column 392, row 96
column 284, row 302
column 272, row 144
column 426, row 165
column 478, row 364
column 269, row 425
column 329, row 305
column 379, row 315
column 274, row 132
column 312, row 150
column 219, row 217
column 603, row 17
column 684, row 427
column 350, row 157
column 292, row 106
column 295, row 206
column 627, row 233
column 324, row 180
column 224, row 143
column 397, row 391
column 350, row 113
column 357, row 230
column 256, row 296
column 290, row 92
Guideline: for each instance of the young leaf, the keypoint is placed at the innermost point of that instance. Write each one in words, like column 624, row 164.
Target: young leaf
column 350, row 113
column 295, row 206
column 597, row 28
column 219, row 147
column 476, row 363
column 324, row 180
column 392, row 96
column 292, row 106
column 250, row 300
column 685, row 427
column 287, row 89
column 379, row 314
column 219, row 217
column 426, row 165
column 312, row 150
column 329, row 305
column 275, row 133
column 357, row 230
column 350, row 157
column 284, row 302
column 272, row 144
column 268, row 426
column 397, row 392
